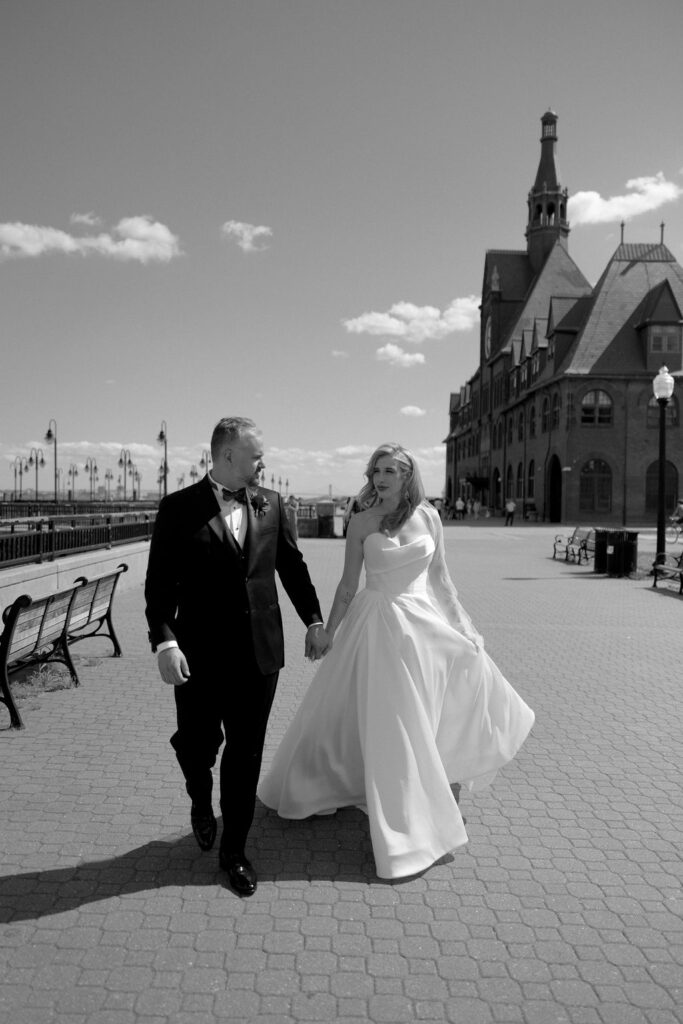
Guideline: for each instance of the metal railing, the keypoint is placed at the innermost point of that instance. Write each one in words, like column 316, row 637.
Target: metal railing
column 15, row 509
column 43, row 540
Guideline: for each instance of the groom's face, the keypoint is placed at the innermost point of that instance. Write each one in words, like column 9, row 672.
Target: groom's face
column 246, row 460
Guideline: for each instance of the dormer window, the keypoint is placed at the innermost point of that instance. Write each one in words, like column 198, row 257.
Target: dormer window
column 663, row 345
column 665, row 339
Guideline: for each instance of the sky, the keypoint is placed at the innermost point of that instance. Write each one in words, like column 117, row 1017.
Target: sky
column 280, row 209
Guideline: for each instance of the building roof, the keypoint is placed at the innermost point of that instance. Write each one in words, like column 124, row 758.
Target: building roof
column 608, row 339
column 559, row 275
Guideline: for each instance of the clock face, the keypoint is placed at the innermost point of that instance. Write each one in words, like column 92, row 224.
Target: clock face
column 487, row 338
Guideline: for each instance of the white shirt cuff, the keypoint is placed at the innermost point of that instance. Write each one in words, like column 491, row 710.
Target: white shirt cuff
column 165, row 645
column 314, row 624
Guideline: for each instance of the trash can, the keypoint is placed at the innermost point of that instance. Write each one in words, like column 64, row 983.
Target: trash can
column 630, row 556
column 600, row 562
column 622, row 552
column 615, row 549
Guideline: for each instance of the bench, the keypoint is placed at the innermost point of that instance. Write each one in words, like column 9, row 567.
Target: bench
column 669, row 569
column 578, row 547
column 41, row 630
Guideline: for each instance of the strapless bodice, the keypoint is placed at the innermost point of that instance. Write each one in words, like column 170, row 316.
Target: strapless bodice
column 394, row 568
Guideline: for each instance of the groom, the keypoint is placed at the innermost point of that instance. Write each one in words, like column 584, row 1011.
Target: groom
column 215, row 624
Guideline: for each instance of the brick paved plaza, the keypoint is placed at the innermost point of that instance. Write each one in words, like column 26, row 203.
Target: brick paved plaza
column 565, row 906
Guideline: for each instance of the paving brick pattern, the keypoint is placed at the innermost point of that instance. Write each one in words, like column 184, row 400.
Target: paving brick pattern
column 565, row 906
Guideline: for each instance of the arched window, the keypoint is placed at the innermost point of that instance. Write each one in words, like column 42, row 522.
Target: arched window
column 531, row 479
column 509, row 429
column 595, row 488
column 508, row 483
column 671, row 416
column 556, row 411
column 596, row 409
column 520, row 427
column 545, row 416
column 532, row 421
column 520, row 482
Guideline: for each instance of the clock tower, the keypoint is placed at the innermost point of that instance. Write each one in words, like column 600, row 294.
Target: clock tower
column 547, row 200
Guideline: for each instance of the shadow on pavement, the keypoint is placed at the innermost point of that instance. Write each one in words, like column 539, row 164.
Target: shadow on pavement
column 335, row 849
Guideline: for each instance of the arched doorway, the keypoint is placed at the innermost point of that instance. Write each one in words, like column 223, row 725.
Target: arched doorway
column 671, row 493
column 554, row 490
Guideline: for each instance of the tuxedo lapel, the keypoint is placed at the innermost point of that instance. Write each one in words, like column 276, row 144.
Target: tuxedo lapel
column 214, row 518
column 251, row 537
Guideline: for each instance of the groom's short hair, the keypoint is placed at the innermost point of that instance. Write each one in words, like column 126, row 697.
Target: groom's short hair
column 228, row 430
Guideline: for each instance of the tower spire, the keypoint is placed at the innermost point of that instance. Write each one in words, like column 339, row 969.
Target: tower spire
column 547, row 200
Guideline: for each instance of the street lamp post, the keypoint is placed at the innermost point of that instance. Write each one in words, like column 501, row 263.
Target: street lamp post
column 91, row 468
column 163, row 439
column 663, row 388
column 18, row 463
column 72, row 473
column 108, row 477
column 194, row 473
column 137, row 482
column 125, row 462
column 37, row 459
column 51, row 437
column 205, row 460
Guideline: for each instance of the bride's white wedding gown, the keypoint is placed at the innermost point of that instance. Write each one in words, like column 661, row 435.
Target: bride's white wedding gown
column 403, row 706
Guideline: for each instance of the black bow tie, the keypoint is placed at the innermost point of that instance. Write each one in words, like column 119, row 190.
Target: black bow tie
column 239, row 496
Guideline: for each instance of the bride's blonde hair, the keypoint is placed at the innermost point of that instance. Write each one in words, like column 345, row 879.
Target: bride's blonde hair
column 412, row 491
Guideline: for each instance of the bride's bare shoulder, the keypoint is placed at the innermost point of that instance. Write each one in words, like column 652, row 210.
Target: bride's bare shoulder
column 364, row 523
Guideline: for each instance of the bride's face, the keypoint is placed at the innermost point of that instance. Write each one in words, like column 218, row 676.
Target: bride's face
column 387, row 478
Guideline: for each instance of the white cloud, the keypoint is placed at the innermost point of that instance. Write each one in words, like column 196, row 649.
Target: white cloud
column 249, row 237
column 645, row 194
column 395, row 355
column 413, row 410
column 134, row 238
column 416, row 324
column 89, row 219
column 339, row 354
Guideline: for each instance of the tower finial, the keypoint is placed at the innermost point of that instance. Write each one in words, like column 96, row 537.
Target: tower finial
column 622, row 233
column 661, row 239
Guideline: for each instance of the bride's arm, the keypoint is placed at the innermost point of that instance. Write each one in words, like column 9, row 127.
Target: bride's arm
column 348, row 584
column 442, row 584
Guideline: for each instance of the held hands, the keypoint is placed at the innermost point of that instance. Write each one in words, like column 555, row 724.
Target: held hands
column 173, row 666
column 317, row 644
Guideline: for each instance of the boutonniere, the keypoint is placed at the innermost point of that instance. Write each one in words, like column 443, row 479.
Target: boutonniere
column 259, row 503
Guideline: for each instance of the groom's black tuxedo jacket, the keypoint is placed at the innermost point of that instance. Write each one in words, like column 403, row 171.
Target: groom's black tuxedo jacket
column 212, row 596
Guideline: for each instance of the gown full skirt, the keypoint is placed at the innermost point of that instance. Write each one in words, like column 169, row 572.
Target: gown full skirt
column 402, row 707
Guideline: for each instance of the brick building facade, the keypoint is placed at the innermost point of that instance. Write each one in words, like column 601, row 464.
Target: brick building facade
column 560, row 413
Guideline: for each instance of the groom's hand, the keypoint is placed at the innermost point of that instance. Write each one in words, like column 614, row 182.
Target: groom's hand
column 173, row 667
column 317, row 642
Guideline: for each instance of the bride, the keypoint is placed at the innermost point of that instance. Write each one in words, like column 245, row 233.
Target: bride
column 407, row 704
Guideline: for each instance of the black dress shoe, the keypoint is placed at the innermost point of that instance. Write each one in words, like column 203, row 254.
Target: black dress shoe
column 240, row 872
column 204, row 826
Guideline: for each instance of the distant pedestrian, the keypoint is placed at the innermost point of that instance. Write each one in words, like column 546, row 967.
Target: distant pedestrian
column 476, row 508
column 510, row 509
column 292, row 512
column 459, row 508
column 468, row 508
